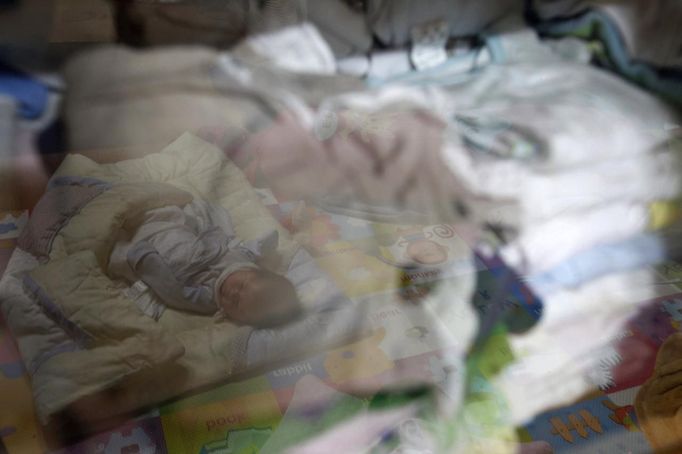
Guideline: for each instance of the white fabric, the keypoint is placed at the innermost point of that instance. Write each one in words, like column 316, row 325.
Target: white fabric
column 298, row 48
column 557, row 359
column 544, row 245
column 546, row 194
column 574, row 108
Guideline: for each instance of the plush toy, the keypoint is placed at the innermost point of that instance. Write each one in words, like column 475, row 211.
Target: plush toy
column 659, row 401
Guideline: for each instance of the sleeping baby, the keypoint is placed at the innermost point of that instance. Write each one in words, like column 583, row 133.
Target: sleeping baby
column 190, row 259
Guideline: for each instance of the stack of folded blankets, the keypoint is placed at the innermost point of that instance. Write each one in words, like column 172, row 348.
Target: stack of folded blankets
column 578, row 173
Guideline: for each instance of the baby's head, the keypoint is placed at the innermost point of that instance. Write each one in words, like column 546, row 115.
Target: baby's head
column 259, row 298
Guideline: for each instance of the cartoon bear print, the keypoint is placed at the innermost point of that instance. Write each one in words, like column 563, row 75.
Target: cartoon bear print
column 362, row 359
column 422, row 246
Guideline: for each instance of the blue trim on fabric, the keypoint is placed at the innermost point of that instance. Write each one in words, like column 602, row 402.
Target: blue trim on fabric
column 43, row 357
column 52, row 310
column 64, row 218
column 632, row 253
column 6, row 228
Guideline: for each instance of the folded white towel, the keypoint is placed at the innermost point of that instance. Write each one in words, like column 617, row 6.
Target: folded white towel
column 543, row 246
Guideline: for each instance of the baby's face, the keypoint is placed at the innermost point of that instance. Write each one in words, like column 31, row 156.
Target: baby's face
column 238, row 296
column 243, row 299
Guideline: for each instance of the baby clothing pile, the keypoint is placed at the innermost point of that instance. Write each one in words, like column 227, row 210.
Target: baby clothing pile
column 577, row 173
column 574, row 175
column 573, row 171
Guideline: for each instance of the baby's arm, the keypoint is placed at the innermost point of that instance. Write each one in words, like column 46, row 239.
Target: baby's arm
column 259, row 247
column 150, row 267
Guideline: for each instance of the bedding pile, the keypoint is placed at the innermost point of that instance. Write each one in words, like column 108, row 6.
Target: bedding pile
column 562, row 179
column 537, row 147
column 530, row 142
column 531, row 150
column 521, row 148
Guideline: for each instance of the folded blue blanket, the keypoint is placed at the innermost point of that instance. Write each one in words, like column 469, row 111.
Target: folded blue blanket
column 629, row 254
